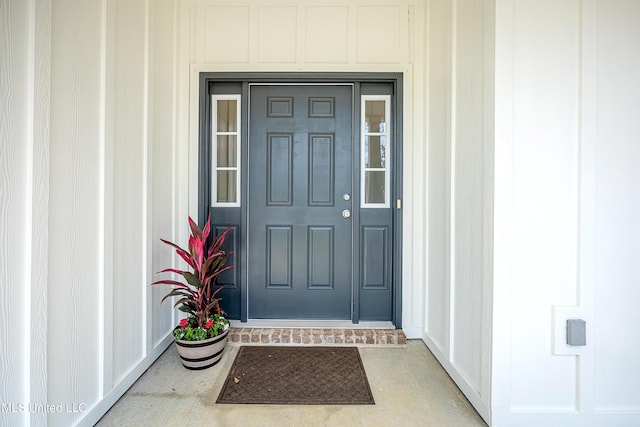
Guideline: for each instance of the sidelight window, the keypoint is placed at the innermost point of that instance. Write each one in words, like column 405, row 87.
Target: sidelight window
column 375, row 151
column 225, row 152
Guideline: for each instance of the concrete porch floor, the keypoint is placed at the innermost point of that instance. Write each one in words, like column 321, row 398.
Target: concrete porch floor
column 409, row 386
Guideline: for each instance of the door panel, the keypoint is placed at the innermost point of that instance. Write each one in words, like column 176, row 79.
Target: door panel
column 320, row 257
column 279, row 174
column 279, row 257
column 374, row 256
column 321, row 170
column 300, row 166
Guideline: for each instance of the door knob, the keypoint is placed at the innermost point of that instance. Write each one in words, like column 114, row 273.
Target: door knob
column 346, row 197
column 346, row 213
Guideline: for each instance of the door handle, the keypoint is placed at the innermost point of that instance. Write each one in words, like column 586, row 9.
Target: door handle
column 346, row 213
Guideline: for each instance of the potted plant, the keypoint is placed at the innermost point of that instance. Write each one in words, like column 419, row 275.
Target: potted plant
column 201, row 336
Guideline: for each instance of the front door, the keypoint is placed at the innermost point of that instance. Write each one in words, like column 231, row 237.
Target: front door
column 300, row 157
column 309, row 176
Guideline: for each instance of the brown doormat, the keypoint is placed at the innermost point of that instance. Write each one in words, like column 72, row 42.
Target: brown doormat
column 297, row 376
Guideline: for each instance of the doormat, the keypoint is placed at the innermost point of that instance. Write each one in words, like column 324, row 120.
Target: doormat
column 297, row 376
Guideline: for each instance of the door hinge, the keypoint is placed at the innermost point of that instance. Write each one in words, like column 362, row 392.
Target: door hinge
column 399, row 204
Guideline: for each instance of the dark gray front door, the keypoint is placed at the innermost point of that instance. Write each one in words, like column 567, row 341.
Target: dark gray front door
column 300, row 182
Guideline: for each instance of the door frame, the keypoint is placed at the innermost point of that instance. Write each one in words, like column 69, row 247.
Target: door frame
column 243, row 79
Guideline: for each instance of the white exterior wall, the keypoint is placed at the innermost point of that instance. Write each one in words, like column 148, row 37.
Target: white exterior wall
column 87, row 129
column 74, row 302
column 21, row 193
column 457, row 325
column 566, row 212
column 98, row 125
column 117, row 168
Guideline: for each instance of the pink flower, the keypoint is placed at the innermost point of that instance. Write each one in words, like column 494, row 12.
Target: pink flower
column 208, row 324
column 183, row 323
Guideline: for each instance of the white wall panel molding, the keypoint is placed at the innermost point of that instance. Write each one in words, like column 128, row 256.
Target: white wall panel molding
column 457, row 325
column 18, row 140
column 106, row 211
column 129, row 182
column 136, row 72
column 277, row 34
column 300, row 36
column 488, row 205
column 451, row 190
column 38, row 210
column 379, row 35
column 147, row 173
column 415, row 151
column 470, row 342
column 590, row 213
column 73, row 360
column 227, row 23
column 162, row 104
column 587, row 222
column 186, row 193
column 610, row 159
column 317, row 36
column 543, row 170
column 104, row 112
column 66, row 157
column 192, row 148
column 439, row 104
column 503, row 213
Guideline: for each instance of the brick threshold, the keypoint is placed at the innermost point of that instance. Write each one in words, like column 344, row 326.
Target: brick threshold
column 387, row 338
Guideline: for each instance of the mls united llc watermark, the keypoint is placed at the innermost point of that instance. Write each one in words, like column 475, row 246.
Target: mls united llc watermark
column 48, row 408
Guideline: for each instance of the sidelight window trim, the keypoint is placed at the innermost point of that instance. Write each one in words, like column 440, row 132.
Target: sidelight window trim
column 214, row 149
column 382, row 133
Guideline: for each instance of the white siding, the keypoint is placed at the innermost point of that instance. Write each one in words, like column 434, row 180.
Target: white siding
column 566, row 212
column 98, row 125
column 80, row 179
column 299, row 36
column 317, row 37
column 161, row 155
column 457, row 325
column 74, row 274
column 128, row 146
column 615, row 151
column 16, row 174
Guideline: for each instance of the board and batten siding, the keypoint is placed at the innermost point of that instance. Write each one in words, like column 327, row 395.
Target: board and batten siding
column 87, row 132
column 458, row 274
column 25, row 55
column 23, row 111
column 99, row 155
column 567, row 238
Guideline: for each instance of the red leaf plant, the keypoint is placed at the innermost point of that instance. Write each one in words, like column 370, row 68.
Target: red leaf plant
column 197, row 295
